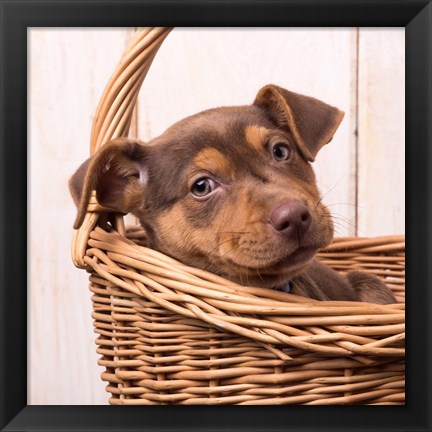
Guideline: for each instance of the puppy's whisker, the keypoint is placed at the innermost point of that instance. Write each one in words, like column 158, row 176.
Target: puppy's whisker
column 339, row 225
column 342, row 203
column 347, row 226
column 343, row 219
column 338, row 221
column 240, row 273
column 322, row 197
column 259, row 275
column 338, row 233
column 233, row 248
column 228, row 240
column 335, row 219
column 335, row 216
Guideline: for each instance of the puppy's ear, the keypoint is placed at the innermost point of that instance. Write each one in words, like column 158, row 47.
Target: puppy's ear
column 118, row 174
column 311, row 122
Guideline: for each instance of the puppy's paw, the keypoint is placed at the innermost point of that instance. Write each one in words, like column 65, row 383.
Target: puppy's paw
column 370, row 288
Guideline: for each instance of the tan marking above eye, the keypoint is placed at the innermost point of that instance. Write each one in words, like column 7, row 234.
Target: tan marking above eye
column 214, row 161
column 256, row 136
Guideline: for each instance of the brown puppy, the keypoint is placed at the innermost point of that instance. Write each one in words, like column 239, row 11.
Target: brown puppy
column 231, row 190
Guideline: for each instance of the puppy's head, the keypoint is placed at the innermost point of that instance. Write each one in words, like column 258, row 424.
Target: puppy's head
column 230, row 190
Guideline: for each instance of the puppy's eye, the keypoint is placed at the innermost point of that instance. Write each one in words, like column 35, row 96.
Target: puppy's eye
column 203, row 187
column 281, row 152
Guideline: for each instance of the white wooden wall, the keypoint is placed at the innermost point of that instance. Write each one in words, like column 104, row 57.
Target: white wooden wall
column 360, row 71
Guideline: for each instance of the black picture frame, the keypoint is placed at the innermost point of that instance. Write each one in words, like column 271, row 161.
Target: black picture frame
column 16, row 17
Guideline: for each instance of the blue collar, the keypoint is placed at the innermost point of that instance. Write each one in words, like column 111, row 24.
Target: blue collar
column 286, row 287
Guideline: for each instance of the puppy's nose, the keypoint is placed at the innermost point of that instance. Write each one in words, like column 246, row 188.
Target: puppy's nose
column 291, row 218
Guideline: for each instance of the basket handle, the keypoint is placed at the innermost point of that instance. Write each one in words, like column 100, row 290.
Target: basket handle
column 113, row 119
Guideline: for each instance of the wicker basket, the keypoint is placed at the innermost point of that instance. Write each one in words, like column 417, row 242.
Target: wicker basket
column 173, row 334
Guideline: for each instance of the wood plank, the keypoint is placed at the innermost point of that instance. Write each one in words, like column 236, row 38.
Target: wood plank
column 381, row 181
column 68, row 69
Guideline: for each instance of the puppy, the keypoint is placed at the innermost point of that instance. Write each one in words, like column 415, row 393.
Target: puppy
column 231, row 190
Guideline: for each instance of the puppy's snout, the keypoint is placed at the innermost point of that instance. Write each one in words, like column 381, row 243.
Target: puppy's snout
column 291, row 218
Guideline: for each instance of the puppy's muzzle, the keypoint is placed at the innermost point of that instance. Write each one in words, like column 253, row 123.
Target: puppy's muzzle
column 292, row 219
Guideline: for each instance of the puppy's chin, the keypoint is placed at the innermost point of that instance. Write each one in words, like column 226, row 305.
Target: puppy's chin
column 254, row 277
column 271, row 271
column 280, row 271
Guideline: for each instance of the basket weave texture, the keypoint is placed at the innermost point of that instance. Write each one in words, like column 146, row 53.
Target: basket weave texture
column 173, row 334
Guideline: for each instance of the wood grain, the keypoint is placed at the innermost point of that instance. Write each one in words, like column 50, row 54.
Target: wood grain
column 381, row 140
column 67, row 72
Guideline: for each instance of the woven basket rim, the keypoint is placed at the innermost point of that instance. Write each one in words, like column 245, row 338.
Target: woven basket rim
column 257, row 313
column 361, row 244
